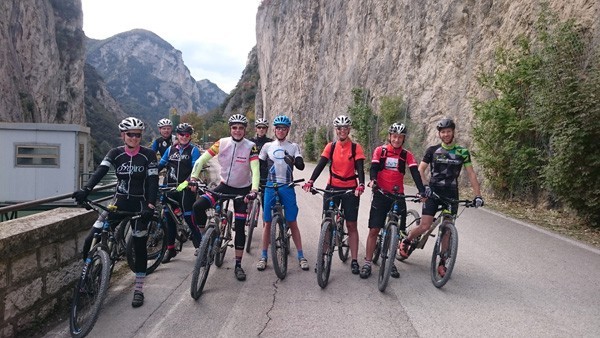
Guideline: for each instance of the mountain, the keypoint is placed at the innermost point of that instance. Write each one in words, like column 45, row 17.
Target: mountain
column 148, row 77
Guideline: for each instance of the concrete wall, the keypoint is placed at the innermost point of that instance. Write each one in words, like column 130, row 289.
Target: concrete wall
column 39, row 262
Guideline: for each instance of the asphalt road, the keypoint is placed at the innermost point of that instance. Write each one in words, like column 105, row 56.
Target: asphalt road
column 511, row 279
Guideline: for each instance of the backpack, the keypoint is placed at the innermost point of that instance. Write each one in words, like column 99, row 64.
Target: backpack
column 352, row 157
column 401, row 159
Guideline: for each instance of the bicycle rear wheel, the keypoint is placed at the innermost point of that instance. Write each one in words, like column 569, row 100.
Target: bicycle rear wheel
column 278, row 246
column 325, row 253
column 412, row 221
column 448, row 239
column 156, row 246
column 342, row 239
column 378, row 244
column 203, row 263
column 252, row 222
column 388, row 253
column 89, row 294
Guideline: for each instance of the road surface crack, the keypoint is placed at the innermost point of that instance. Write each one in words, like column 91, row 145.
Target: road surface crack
column 275, row 287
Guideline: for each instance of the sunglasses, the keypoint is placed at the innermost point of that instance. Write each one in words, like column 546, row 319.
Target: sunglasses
column 132, row 135
column 184, row 134
column 261, row 127
column 281, row 128
column 238, row 128
column 342, row 128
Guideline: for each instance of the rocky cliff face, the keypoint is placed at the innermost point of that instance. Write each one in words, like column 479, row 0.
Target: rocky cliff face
column 147, row 76
column 41, row 61
column 312, row 53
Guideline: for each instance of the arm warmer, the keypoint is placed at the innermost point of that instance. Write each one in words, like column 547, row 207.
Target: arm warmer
column 414, row 171
column 359, row 165
column 375, row 169
column 319, row 168
column 299, row 163
column 200, row 164
column 255, row 167
column 97, row 176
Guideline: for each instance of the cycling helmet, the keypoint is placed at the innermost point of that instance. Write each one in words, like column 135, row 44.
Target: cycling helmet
column 282, row 120
column 261, row 122
column 342, row 121
column 164, row 123
column 397, row 128
column 238, row 118
column 446, row 123
column 131, row 123
column 185, row 128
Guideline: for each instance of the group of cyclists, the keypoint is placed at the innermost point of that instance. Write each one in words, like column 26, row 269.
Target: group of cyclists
column 247, row 165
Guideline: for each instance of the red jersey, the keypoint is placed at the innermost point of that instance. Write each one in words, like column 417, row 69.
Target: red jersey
column 390, row 175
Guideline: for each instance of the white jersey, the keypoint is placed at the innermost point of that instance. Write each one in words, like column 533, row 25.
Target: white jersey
column 274, row 153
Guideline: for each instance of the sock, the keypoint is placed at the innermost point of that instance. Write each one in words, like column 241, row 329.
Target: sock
column 139, row 281
column 265, row 253
column 238, row 261
column 300, row 254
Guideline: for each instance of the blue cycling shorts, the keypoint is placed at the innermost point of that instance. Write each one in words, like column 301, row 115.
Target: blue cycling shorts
column 287, row 197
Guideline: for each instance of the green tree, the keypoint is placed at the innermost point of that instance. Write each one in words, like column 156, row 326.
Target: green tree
column 309, row 144
column 362, row 118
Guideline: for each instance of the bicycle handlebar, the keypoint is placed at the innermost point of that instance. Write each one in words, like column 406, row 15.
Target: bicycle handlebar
column 315, row 191
column 89, row 204
column 277, row 186
column 397, row 196
column 448, row 200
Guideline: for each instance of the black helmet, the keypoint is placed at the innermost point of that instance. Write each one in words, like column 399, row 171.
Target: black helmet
column 446, row 123
column 185, row 128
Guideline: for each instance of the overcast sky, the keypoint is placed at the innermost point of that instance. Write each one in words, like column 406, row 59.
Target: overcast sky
column 214, row 36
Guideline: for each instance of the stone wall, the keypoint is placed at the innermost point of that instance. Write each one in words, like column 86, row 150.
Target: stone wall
column 39, row 261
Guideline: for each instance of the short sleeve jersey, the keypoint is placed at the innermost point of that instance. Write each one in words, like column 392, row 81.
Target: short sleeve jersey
column 274, row 153
column 132, row 170
column 160, row 145
column 446, row 164
column 342, row 164
column 390, row 175
column 234, row 159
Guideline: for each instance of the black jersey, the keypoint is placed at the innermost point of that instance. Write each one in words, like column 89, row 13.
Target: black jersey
column 179, row 160
column 264, row 167
column 160, row 145
column 137, row 173
column 446, row 163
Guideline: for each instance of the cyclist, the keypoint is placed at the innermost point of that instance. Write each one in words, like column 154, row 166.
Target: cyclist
column 445, row 160
column 136, row 169
column 346, row 160
column 388, row 167
column 281, row 156
column 179, row 160
column 239, row 175
column 261, row 125
column 166, row 138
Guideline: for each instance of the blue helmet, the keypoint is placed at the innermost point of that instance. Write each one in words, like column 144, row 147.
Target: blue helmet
column 282, row 120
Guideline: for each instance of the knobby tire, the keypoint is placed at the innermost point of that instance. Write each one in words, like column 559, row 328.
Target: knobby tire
column 388, row 253
column 342, row 240
column 437, row 280
column 325, row 253
column 278, row 246
column 203, row 263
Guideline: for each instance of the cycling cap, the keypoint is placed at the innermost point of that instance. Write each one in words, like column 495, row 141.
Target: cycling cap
column 446, row 123
column 131, row 123
column 164, row 123
column 397, row 128
column 282, row 120
column 185, row 128
column 238, row 118
column 261, row 122
column 342, row 121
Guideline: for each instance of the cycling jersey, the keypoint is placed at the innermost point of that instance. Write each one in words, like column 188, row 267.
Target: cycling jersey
column 274, row 153
column 161, row 144
column 446, row 163
column 390, row 174
column 136, row 172
column 236, row 159
column 260, row 142
column 179, row 160
column 343, row 173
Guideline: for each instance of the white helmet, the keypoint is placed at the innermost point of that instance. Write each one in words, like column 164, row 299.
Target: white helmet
column 164, row 123
column 261, row 121
column 238, row 118
column 342, row 121
column 397, row 128
column 131, row 123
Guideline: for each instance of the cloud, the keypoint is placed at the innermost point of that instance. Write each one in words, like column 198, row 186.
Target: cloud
column 214, row 37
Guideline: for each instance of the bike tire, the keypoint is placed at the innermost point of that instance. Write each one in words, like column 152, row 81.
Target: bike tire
column 437, row 280
column 224, row 242
column 203, row 263
column 377, row 251
column 388, row 253
column 413, row 219
column 156, row 245
column 219, row 257
column 325, row 253
column 89, row 294
column 252, row 222
column 278, row 246
column 342, row 240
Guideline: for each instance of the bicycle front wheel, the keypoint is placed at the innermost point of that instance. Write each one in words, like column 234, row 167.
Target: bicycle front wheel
column 342, row 239
column 252, row 222
column 388, row 253
column 444, row 254
column 325, row 253
column 89, row 294
column 203, row 263
column 279, row 246
column 378, row 244
column 156, row 246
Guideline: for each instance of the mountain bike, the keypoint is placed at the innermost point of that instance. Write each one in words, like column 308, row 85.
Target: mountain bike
column 390, row 237
column 252, row 221
column 280, row 232
column 445, row 249
column 333, row 234
column 215, row 241
column 92, row 286
column 171, row 208
column 413, row 219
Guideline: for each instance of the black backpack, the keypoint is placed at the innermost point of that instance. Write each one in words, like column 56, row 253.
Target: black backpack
column 352, row 157
column 401, row 160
